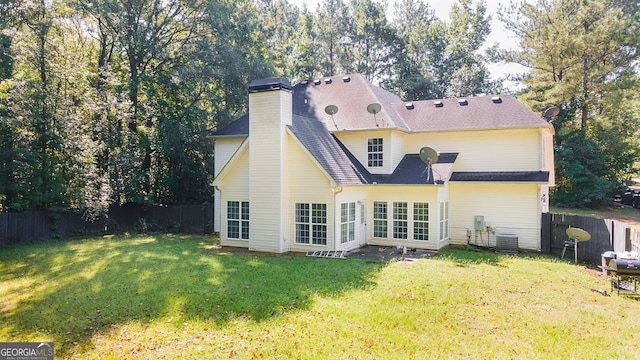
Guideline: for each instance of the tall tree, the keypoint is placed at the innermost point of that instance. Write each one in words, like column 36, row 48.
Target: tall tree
column 574, row 48
column 306, row 62
column 331, row 24
column 423, row 40
column 280, row 23
column 442, row 59
column 151, row 34
column 464, row 70
column 44, row 111
column 8, row 19
column 372, row 44
column 583, row 56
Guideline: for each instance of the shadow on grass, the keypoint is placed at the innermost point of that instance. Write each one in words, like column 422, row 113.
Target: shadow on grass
column 468, row 255
column 76, row 289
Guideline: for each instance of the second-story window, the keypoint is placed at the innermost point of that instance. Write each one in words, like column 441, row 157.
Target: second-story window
column 374, row 152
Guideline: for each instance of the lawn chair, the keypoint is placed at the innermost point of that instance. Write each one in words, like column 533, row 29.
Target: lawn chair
column 568, row 244
column 575, row 236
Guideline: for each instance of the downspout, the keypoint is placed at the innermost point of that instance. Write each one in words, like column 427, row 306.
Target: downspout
column 335, row 189
column 217, row 187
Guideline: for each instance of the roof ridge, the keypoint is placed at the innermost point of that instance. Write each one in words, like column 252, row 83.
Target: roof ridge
column 396, row 118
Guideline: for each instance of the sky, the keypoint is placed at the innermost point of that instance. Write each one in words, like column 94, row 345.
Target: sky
column 499, row 34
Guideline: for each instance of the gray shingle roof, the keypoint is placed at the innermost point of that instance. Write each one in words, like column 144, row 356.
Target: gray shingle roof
column 501, row 176
column 412, row 171
column 337, row 161
column 479, row 113
column 238, row 127
column 352, row 97
column 352, row 94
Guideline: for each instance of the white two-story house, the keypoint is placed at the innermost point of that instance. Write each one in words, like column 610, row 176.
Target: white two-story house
column 337, row 163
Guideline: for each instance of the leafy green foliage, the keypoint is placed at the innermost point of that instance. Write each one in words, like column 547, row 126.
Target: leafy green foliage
column 583, row 179
column 441, row 59
column 106, row 102
column 583, row 57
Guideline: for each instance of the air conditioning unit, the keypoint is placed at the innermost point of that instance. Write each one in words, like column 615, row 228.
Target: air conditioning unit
column 507, row 243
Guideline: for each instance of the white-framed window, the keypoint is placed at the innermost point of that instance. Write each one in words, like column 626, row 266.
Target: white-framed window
column 421, row 221
column 347, row 222
column 444, row 220
column 238, row 220
column 380, row 219
column 311, row 223
column 375, row 152
column 400, row 220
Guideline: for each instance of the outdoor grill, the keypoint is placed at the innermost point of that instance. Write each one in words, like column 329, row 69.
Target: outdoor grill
column 623, row 274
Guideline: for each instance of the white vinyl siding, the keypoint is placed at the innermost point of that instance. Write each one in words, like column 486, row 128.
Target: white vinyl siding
column 224, row 150
column 547, row 154
column 489, row 150
column 358, row 145
column 308, row 185
column 235, row 187
column 515, row 208
column 269, row 115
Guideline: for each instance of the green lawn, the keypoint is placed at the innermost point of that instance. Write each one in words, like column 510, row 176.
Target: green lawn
column 178, row 297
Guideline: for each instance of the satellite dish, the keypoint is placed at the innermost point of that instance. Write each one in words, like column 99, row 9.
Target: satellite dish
column 428, row 155
column 331, row 109
column 374, row 108
column 578, row 234
column 552, row 112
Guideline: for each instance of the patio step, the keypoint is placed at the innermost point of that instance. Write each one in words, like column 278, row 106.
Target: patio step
column 334, row 254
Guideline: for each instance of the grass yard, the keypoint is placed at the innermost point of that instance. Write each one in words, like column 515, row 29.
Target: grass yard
column 180, row 297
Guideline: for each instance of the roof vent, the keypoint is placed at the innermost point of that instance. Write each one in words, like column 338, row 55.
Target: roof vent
column 409, row 106
column 463, row 102
column 327, row 81
column 438, row 103
column 304, row 82
column 346, row 79
column 496, row 99
column 317, row 82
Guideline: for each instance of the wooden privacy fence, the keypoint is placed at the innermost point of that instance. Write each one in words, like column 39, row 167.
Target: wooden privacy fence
column 34, row 225
column 606, row 235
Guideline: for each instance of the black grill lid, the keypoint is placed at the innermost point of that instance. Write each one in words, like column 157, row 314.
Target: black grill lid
column 625, row 266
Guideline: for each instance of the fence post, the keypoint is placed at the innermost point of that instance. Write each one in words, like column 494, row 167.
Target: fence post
column 4, row 228
column 545, row 234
